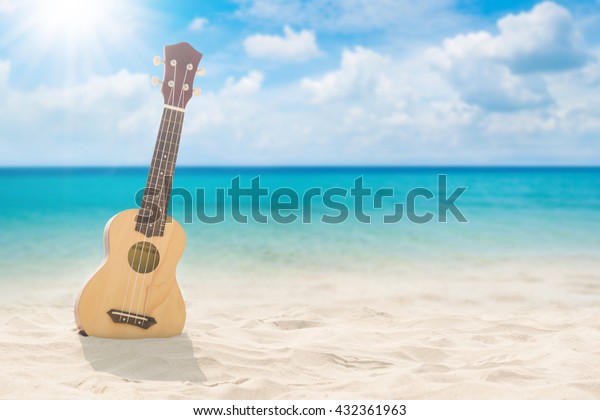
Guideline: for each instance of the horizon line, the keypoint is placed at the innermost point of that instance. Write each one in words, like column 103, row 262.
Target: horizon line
column 345, row 166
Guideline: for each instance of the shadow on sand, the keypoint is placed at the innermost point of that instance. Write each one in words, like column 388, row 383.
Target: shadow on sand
column 156, row 359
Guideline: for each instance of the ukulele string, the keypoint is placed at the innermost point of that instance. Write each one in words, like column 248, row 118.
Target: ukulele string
column 148, row 225
column 138, row 238
column 162, row 200
column 167, row 198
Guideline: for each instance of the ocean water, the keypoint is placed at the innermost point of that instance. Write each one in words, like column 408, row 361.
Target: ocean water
column 52, row 220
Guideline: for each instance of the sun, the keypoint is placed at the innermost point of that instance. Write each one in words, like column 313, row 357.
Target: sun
column 72, row 22
column 72, row 17
column 76, row 20
column 76, row 35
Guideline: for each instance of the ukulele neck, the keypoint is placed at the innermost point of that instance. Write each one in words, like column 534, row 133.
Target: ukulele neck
column 155, row 203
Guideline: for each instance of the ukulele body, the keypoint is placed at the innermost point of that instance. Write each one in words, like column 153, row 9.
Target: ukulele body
column 134, row 292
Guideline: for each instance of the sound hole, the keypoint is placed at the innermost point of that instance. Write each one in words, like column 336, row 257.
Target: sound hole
column 143, row 257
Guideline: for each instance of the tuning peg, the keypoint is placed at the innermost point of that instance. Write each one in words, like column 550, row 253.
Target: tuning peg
column 196, row 91
column 157, row 60
column 201, row 72
column 155, row 80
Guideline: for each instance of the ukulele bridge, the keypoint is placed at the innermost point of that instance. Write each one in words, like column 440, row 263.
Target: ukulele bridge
column 122, row 317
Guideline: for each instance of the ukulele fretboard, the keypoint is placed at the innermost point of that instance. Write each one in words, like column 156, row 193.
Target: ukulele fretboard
column 152, row 216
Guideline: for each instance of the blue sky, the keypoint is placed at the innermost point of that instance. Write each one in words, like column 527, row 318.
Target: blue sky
column 312, row 82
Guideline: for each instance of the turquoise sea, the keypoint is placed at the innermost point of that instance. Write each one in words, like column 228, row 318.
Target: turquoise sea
column 52, row 220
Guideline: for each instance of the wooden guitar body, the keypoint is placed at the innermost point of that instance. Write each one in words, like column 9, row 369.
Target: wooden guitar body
column 134, row 294
column 145, row 302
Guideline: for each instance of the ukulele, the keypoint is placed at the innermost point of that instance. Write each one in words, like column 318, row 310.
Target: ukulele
column 134, row 292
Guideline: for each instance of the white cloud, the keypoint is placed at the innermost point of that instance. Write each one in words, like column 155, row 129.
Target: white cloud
column 80, row 124
column 7, row 6
column 372, row 107
column 247, row 85
column 544, row 39
column 85, row 97
column 4, row 72
column 591, row 73
column 293, row 46
column 361, row 71
column 198, row 24
column 502, row 72
column 494, row 87
column 113, row 119
column 377, row 108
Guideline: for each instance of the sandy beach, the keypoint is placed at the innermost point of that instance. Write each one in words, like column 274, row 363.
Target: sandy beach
column 501, row 330
column 381, row 200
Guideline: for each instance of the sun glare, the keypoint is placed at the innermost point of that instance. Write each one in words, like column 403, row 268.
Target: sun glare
column 76, row 22
column 77, row 34
column 73, row 18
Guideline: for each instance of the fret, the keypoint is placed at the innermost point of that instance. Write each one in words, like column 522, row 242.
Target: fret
column 164, row 144
column 167, row 147
column 159, row 178
column 169, row 131
column 164, row 157
column 178, row 121
column 160, row 175
column 167, row 134
column 168, row 152
column 173, row 123
column 162, row 167
column 171, row 127
column 161, row 170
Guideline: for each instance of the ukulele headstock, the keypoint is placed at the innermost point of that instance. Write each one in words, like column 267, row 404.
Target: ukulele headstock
column 181, row 66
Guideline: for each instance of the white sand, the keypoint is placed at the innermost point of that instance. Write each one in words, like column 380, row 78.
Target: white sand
column 494, row 331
